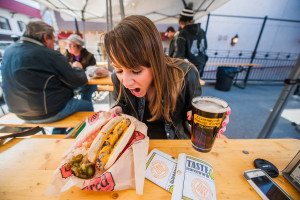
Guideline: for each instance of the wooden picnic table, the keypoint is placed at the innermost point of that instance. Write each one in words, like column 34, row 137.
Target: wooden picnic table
column 100, row 81
column 27, row 166
column 11, row 120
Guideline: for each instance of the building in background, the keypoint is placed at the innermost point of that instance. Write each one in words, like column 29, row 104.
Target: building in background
column 14, row 16
column 282, row 35
column 223, row 25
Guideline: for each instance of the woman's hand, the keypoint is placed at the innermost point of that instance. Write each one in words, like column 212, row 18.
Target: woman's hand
column 223, row 125
column 116, row 110
column 225, row 122
column 77, row 64
column 189, row 115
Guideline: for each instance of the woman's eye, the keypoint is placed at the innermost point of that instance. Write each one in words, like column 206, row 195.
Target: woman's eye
column 119, row 72
column 137, row 72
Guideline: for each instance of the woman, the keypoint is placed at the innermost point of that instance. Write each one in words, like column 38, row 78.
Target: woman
column 80, row 57
column 150, row 86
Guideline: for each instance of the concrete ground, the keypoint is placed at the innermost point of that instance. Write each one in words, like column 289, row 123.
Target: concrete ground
column 250, row 109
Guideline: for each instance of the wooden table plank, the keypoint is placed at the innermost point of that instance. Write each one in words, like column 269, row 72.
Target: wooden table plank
column 12, row 120
column 100, row 81
column 28, row 165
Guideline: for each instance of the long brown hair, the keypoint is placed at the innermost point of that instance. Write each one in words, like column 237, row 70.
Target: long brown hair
column 135, row 42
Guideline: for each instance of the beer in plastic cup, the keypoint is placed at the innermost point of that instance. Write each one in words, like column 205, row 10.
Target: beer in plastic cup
column 208, row 114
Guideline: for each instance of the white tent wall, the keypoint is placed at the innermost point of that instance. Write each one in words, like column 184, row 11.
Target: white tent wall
column 278, row 36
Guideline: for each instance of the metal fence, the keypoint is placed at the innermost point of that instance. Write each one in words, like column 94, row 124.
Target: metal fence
column 274, row 66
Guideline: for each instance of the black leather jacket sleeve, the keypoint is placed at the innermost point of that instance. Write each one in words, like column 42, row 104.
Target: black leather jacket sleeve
column 193, row 87
column 180, row 47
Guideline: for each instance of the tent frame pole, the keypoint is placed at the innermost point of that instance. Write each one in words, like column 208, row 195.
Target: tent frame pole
column 289, row 89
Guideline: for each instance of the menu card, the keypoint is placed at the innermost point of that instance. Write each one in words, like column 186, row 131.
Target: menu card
column 160, row 169
column 194, row 179
column 189, row 178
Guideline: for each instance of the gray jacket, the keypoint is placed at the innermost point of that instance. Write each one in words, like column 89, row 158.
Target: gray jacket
column 135, row 106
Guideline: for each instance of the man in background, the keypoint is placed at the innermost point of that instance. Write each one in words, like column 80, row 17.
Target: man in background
column 170, row 33
column 38, row 81
column 191, row 42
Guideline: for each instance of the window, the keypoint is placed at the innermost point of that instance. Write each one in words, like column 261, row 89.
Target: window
column 21, row 25
column 4, row 24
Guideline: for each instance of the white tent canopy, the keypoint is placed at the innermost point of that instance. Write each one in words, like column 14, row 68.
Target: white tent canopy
column 159, row 11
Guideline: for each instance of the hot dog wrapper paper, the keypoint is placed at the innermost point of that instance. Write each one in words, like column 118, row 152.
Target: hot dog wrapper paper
column 128, row 172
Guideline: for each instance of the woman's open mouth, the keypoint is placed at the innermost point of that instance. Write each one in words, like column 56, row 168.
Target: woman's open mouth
column 135, row 91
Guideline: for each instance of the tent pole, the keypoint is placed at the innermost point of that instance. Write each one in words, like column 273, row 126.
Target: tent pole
column 109, row 27
column 107, row 14
column 83, row 25
column 207, row 22
column 83, row 30
column 110, row 15
column 122, row 9
column 76, row 26
column 289, row 89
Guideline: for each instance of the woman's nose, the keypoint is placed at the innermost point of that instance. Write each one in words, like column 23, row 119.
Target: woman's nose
column 127, row 80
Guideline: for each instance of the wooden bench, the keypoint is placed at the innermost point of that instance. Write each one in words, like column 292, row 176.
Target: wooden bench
column 108, row 88
column 11, row 120
column 100, row 81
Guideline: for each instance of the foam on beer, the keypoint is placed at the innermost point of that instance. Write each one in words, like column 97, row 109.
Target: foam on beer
column 210, row 104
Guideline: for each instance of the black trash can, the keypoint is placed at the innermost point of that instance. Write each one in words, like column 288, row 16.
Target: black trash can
column 225, row 76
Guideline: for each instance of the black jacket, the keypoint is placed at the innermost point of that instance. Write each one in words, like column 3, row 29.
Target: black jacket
column 86, row 58
column 37, row 81
column 191, row 44
column 134, row 106
column 172, row 47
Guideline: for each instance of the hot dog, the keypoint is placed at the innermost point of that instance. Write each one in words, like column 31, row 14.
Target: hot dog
column 110, row 142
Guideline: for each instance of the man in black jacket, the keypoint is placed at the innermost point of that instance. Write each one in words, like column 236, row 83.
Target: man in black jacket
column 38, row 81
column 171, row 33
column 191, row 42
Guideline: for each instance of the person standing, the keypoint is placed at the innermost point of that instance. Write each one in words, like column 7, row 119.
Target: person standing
column 191, row 42
column 37, row 81
column 81, row 57
column 171, row 33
